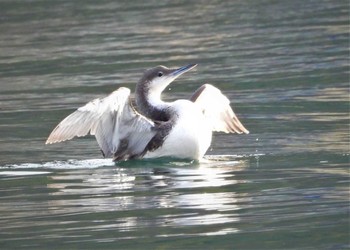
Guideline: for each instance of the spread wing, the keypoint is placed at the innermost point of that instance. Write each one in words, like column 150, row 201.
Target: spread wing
column 120, row 131
column 216, row 108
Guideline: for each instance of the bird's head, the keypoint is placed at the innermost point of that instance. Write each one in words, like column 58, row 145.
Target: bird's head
column 156, row 79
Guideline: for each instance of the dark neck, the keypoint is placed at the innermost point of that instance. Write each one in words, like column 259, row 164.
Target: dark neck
column 151, row 106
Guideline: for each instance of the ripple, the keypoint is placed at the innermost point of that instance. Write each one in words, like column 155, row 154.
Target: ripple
column 23, row 173
column 97, row 163
column 69, row 164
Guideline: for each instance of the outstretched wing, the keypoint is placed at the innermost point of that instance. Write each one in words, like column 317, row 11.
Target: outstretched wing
column 216, row 107
column 120, row 131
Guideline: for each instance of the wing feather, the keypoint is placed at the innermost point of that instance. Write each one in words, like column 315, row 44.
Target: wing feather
column 216, row 107
column 120, row 131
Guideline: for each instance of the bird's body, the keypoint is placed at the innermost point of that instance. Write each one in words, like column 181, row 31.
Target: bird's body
column 154, row 128
column 190, row 134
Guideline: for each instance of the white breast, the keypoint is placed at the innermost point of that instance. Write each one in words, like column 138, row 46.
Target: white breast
column 191, row 135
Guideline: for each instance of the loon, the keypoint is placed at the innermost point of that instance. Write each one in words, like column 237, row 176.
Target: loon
column 149, row 127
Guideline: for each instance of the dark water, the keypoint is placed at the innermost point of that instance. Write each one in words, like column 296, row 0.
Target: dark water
column 283, row 64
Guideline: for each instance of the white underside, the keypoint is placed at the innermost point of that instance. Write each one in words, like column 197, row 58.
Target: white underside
column 191, row 136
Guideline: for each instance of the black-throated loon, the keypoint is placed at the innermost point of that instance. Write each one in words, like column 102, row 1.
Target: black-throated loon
column 154, row 128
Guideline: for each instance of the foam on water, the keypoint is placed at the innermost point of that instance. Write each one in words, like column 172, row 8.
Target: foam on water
column 69, row 164
column 23, row 173
column 97, row 163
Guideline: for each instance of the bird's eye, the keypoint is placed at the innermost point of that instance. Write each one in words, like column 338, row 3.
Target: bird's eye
column 160, row 74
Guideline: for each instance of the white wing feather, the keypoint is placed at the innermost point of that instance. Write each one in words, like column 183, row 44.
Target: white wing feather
column 216, row 107
column 118, row 128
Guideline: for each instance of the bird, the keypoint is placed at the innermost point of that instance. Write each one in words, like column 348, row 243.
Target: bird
column 146, row 126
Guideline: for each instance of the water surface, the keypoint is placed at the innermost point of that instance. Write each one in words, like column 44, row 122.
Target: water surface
column 283, row 64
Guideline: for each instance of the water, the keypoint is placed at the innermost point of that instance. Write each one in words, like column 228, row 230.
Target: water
column 283, row 64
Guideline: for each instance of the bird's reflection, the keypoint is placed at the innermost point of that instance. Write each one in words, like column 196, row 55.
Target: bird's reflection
column 171, row 195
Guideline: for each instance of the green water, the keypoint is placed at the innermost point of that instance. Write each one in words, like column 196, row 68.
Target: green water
column 283, row 64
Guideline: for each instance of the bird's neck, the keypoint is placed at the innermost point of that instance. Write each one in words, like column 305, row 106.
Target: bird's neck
column 150, row 104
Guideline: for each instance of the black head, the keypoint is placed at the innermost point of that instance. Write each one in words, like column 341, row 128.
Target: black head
column 156, row 79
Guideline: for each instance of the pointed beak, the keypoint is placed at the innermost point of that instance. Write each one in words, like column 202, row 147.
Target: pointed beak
column 180, row 71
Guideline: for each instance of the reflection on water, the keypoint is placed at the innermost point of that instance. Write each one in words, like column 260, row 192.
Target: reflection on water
column 74, row 192
column 169, row 201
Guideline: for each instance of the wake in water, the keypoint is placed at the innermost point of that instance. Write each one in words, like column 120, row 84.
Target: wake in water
column 68, row 164
column 32, row 168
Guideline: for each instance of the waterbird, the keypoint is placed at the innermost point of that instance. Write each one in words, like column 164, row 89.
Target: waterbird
column 150, row 127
